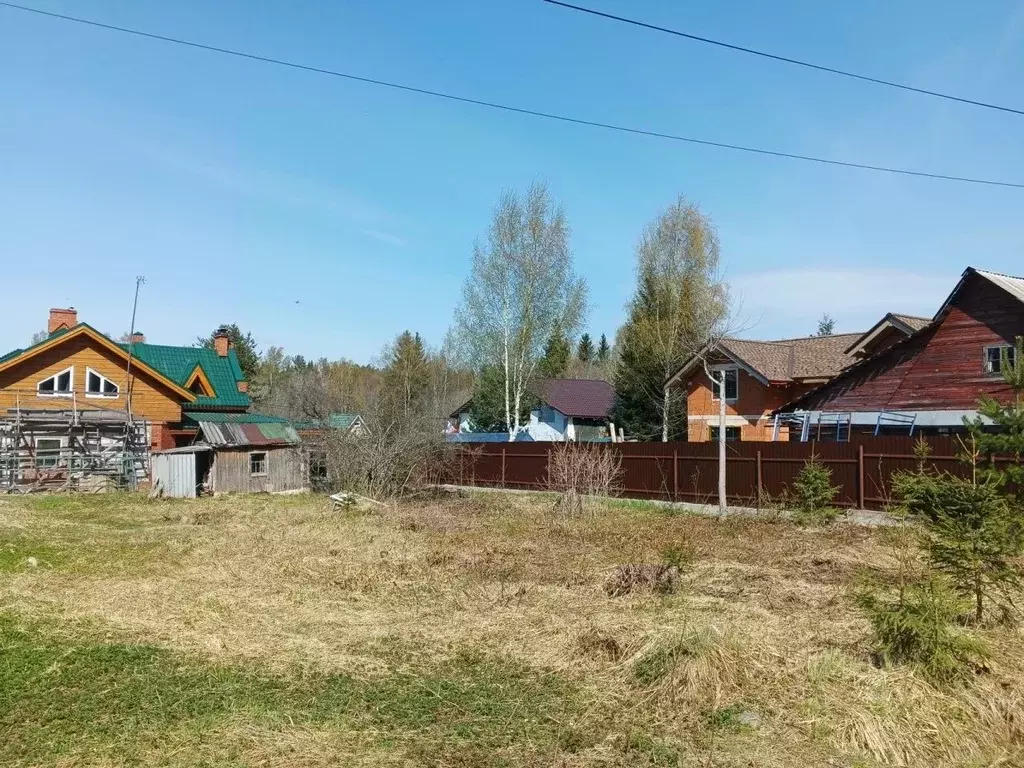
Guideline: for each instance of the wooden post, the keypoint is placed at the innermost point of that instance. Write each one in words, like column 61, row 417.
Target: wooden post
column 760, row 493
column 860, row 476
column 503, row 466
column 675, row 474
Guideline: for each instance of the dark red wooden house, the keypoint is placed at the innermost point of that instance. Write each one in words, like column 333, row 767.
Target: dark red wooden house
column 931, row 379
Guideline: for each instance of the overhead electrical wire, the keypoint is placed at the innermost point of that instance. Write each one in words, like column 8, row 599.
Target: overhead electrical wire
column 516, row 110
column 786, row 59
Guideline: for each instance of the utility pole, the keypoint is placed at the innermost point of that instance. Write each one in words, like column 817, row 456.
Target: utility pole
column 139, row 280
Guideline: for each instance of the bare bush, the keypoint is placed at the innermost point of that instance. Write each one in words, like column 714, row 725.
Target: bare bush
column 388, row 461
column 661, row 579
column 579, row 472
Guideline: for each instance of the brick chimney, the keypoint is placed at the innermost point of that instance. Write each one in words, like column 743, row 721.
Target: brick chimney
column 137, row 338
column 243, row 387
column 221, row 342
column 62, row 319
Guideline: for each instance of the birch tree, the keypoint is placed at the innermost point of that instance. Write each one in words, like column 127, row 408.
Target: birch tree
column 522, row 287
column 680, row 306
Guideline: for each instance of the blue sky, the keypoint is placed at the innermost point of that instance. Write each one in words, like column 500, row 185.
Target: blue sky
column 239, row 189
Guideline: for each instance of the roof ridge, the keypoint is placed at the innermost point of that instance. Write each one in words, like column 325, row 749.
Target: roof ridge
column 796, row 338
column 999, row 274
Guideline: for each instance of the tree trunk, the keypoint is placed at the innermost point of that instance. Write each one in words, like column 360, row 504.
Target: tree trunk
column 721, row 443
column 979, row 605
column 664, row 417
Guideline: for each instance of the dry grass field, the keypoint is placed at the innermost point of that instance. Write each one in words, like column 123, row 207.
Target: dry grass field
column 270, row 631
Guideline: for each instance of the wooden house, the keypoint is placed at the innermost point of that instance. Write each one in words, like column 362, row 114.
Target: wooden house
column 79, row 403
column 761, row 376
column 930, row 380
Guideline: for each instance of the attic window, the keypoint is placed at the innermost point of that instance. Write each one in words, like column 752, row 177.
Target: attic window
column 999, row 356
column 199, row 384
column 98, row 385
column 58, row 385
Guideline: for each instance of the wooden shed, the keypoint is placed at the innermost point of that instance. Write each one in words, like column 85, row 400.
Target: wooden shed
column 236, row 456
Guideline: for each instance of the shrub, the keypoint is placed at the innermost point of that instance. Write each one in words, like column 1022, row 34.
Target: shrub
column 679, row 555
column 814, row 494
column 580, row 472
column 919, row 628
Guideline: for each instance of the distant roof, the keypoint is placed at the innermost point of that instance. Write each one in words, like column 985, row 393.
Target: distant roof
column 581, row 398
column 333, row 421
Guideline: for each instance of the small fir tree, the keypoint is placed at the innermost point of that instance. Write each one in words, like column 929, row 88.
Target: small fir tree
column 603, row 349
column 585, row 349
column 557, row 352
column 826, row 325
column 815, row 494
column 972, row 534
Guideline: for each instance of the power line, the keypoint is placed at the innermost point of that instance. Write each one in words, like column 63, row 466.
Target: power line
column 517, row 110
column 785, row 59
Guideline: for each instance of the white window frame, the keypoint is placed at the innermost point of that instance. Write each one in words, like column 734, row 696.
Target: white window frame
column 101, row 395
column 715, row 384
column 266, row 463
column 55, row 393
column 1011, row 353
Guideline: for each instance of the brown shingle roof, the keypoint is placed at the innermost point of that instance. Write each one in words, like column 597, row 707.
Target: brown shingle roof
column 811, row 357
column 914, row 322
column 582, row 398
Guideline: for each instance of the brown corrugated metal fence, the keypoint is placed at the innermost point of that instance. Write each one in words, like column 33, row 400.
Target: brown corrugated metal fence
column 689, row 471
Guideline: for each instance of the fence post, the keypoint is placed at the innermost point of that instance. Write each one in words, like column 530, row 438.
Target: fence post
column 760, row 492
column 860, row 476
column 503, row 466
column 675, row 474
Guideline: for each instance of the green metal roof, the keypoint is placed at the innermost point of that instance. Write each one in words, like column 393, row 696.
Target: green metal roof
column 192, row 419
column 334, row 421
column 178, row 363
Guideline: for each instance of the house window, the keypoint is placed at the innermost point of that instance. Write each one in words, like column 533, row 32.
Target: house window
column 732, row 383
column 47, row 452
column 999, row 355
column 732, row 434
column 98, row 385
column 58, row 385
column 258, row 463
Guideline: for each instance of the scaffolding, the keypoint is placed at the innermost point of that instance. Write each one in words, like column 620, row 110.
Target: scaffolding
column 72, row 449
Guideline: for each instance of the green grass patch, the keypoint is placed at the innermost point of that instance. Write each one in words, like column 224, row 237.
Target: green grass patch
column 15, row 552
column 67, row 697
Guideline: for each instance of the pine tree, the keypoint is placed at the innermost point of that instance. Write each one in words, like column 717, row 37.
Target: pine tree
column 826, row 325
column 557, row 352
column 405, row 378
column 487, row 411
column 603, row 350
column 585, row 349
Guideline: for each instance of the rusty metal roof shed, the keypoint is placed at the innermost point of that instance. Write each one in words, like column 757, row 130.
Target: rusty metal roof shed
column 229, row 435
